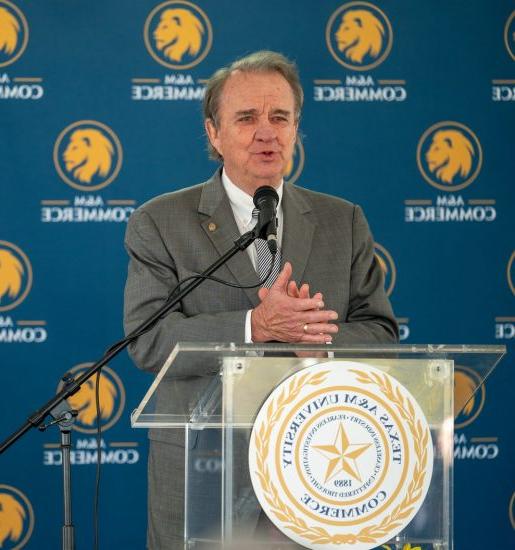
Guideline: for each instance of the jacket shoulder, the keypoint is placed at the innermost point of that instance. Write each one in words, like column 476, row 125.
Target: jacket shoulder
column 324, row 201
column 187, row 197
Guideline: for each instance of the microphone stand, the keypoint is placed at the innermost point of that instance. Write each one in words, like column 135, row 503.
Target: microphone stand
column 59, row 409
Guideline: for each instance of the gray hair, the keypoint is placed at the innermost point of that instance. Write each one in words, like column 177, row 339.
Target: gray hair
column 258, row 62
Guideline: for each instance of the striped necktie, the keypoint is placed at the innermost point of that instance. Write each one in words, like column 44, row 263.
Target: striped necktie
column 264, row 258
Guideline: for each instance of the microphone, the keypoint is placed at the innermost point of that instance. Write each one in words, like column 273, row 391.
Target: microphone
column 266, row 200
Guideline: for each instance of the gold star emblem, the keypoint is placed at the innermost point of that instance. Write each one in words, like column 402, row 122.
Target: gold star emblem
column 342, row 455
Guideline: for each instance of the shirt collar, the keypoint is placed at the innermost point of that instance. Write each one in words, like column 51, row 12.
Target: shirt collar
column 242, row 204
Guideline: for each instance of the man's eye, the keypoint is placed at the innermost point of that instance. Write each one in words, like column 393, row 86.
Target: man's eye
column 246, row 118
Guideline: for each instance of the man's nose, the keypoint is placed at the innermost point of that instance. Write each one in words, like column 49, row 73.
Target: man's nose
column 265, row 130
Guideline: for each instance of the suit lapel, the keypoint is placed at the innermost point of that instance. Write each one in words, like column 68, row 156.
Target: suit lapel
column 217, row 221
column 215, row 208
column 298, row 231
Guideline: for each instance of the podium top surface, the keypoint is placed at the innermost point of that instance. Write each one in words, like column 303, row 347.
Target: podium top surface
column 188, row 390
column 231, row 348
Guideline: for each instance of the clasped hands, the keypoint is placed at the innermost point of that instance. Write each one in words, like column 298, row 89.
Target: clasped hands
column 288, row 314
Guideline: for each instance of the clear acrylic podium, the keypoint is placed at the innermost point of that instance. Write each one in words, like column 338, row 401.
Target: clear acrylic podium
column 213, row 392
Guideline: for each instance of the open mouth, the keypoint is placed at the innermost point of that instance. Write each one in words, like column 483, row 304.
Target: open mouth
column 267, row 155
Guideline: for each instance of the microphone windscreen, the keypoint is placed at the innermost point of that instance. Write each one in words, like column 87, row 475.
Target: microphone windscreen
column 265, row 192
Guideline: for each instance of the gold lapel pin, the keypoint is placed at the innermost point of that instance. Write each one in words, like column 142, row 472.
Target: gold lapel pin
column 211, row 226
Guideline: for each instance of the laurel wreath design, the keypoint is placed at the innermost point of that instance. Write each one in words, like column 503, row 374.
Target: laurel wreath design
column 319, row 535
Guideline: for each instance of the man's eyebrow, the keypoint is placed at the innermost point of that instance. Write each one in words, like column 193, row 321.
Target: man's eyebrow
column 246, row 112
column 281, row 112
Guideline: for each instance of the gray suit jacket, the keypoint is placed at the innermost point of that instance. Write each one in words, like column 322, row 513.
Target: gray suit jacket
column 326, row 239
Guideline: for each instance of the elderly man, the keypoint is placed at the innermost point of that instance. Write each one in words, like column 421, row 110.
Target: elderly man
column 330, row 287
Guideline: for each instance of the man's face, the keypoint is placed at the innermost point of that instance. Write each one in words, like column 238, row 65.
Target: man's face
column 256, row 129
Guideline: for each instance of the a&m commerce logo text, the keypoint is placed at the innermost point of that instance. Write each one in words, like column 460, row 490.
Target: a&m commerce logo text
column 112, row 405
column 503, row 89
column 505, row 325
column 14, row 37
column 16, row 518
column 341, row 456
column 359, row 38
column 469, row 401
column 88, row 157
column 16, row 277
column 449, row 158
column 178, row 36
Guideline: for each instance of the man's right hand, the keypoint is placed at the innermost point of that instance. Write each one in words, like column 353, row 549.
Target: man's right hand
column 281, row 317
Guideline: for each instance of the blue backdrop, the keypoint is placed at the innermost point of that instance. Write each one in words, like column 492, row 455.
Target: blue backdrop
column 410, row 114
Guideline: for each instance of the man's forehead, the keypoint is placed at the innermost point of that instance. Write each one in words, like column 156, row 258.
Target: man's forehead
column 254, row 87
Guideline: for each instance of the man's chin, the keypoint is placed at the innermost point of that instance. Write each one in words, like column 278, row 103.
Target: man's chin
column 272, row 178
column 269, row 170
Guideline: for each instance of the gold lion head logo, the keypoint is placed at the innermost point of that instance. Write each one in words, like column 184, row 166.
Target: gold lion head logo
column 450, row 152
column 9, row 30
column 84, row 400
column 177, row 33
column 360, row 33
column 12, row 517
column 464, row 388
column 11, row 274
column 88, row 153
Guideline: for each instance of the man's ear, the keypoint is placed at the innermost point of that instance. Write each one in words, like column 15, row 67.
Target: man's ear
column 212, row 134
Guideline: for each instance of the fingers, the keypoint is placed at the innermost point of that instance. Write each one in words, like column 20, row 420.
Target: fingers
column 318, row 296
column 318, row 316
column 304, row 291
column 315, row 339
column 293, row 291
column 317, row 328
column 305, row 304
column 287, row 313
column 281, row 283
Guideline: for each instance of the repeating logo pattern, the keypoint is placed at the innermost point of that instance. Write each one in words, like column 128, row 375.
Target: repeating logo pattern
column 178, row 34
column 15, row 276
column 111, row 395
column 88, row 155
column 340, row 456
column 14, row 33
column 385, row 260
column 359, row 36
column 16, row 518
column 509, row 35
column 510, row 272
column 296, row 164
column 449, row 156
column 468, row 391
